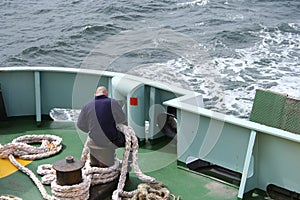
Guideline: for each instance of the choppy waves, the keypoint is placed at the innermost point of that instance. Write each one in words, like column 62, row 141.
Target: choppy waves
column 243, row 45
column 271, row 63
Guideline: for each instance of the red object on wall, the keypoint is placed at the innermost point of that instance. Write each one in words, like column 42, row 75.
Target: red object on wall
column 133, row 101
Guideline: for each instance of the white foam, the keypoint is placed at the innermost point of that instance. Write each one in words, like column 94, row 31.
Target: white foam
column 272, row 63
column 167, row 72
column 194, row 3
column 64, row 114
column 294, row 26
column 228, row 84
column 288, row 85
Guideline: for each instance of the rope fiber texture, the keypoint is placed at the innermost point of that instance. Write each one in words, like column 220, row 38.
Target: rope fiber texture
column 151, row 189
column 51, row 145
column 19, row 147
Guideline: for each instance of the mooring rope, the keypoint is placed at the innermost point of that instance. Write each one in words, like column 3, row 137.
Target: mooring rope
column 151, row 191
column 9, row 197
column 99, row 175
column 51, row 145
column 131, row 145
column 19, row 147
column 78, row 191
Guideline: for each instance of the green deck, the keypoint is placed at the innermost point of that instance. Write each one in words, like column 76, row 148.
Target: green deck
column 186, row 184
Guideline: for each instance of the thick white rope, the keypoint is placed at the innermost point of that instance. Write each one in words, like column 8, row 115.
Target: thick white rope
column 151, row 189
column 20, row 147
column 78, row 191
column 131, row 144
column 8, row 197
column 102, row 175
column 99, row 175
column 91, row 175
column 32, row 176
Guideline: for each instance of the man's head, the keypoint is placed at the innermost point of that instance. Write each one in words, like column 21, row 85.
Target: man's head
column 101, row 90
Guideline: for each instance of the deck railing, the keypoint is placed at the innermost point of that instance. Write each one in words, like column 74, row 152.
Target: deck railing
column 261, row 154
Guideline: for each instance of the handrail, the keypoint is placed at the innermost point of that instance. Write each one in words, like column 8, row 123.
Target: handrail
column 156, row 84
column 233, row 120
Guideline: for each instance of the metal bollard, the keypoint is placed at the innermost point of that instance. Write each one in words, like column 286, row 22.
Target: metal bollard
column 68, row 171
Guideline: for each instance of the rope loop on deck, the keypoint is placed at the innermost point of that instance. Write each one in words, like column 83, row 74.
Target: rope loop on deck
column 155, row 191
column 78, row 191
column 51, row 145
column 20, row 147
column 64, row 192
column 102, row 175
column 9, row 197
column 130, row 145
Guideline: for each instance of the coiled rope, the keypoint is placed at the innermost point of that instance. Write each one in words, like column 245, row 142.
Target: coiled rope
column 51, row 145
column 98, row 175
column 131, row 143
column 19, row 147
column 151, row 189
column 9, row 197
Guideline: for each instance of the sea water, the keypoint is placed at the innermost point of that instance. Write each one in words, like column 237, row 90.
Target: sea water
column 224, row 49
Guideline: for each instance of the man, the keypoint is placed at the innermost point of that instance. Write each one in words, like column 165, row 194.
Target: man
column 99, row 118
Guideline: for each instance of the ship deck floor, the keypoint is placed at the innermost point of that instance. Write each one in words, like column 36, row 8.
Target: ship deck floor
column 157, row 160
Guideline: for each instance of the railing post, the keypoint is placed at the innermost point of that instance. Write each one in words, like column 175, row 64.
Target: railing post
column 247, row 164
column 3, row 114
column 37, row 88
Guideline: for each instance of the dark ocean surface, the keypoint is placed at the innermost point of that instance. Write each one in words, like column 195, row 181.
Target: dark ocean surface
column 223, row 49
